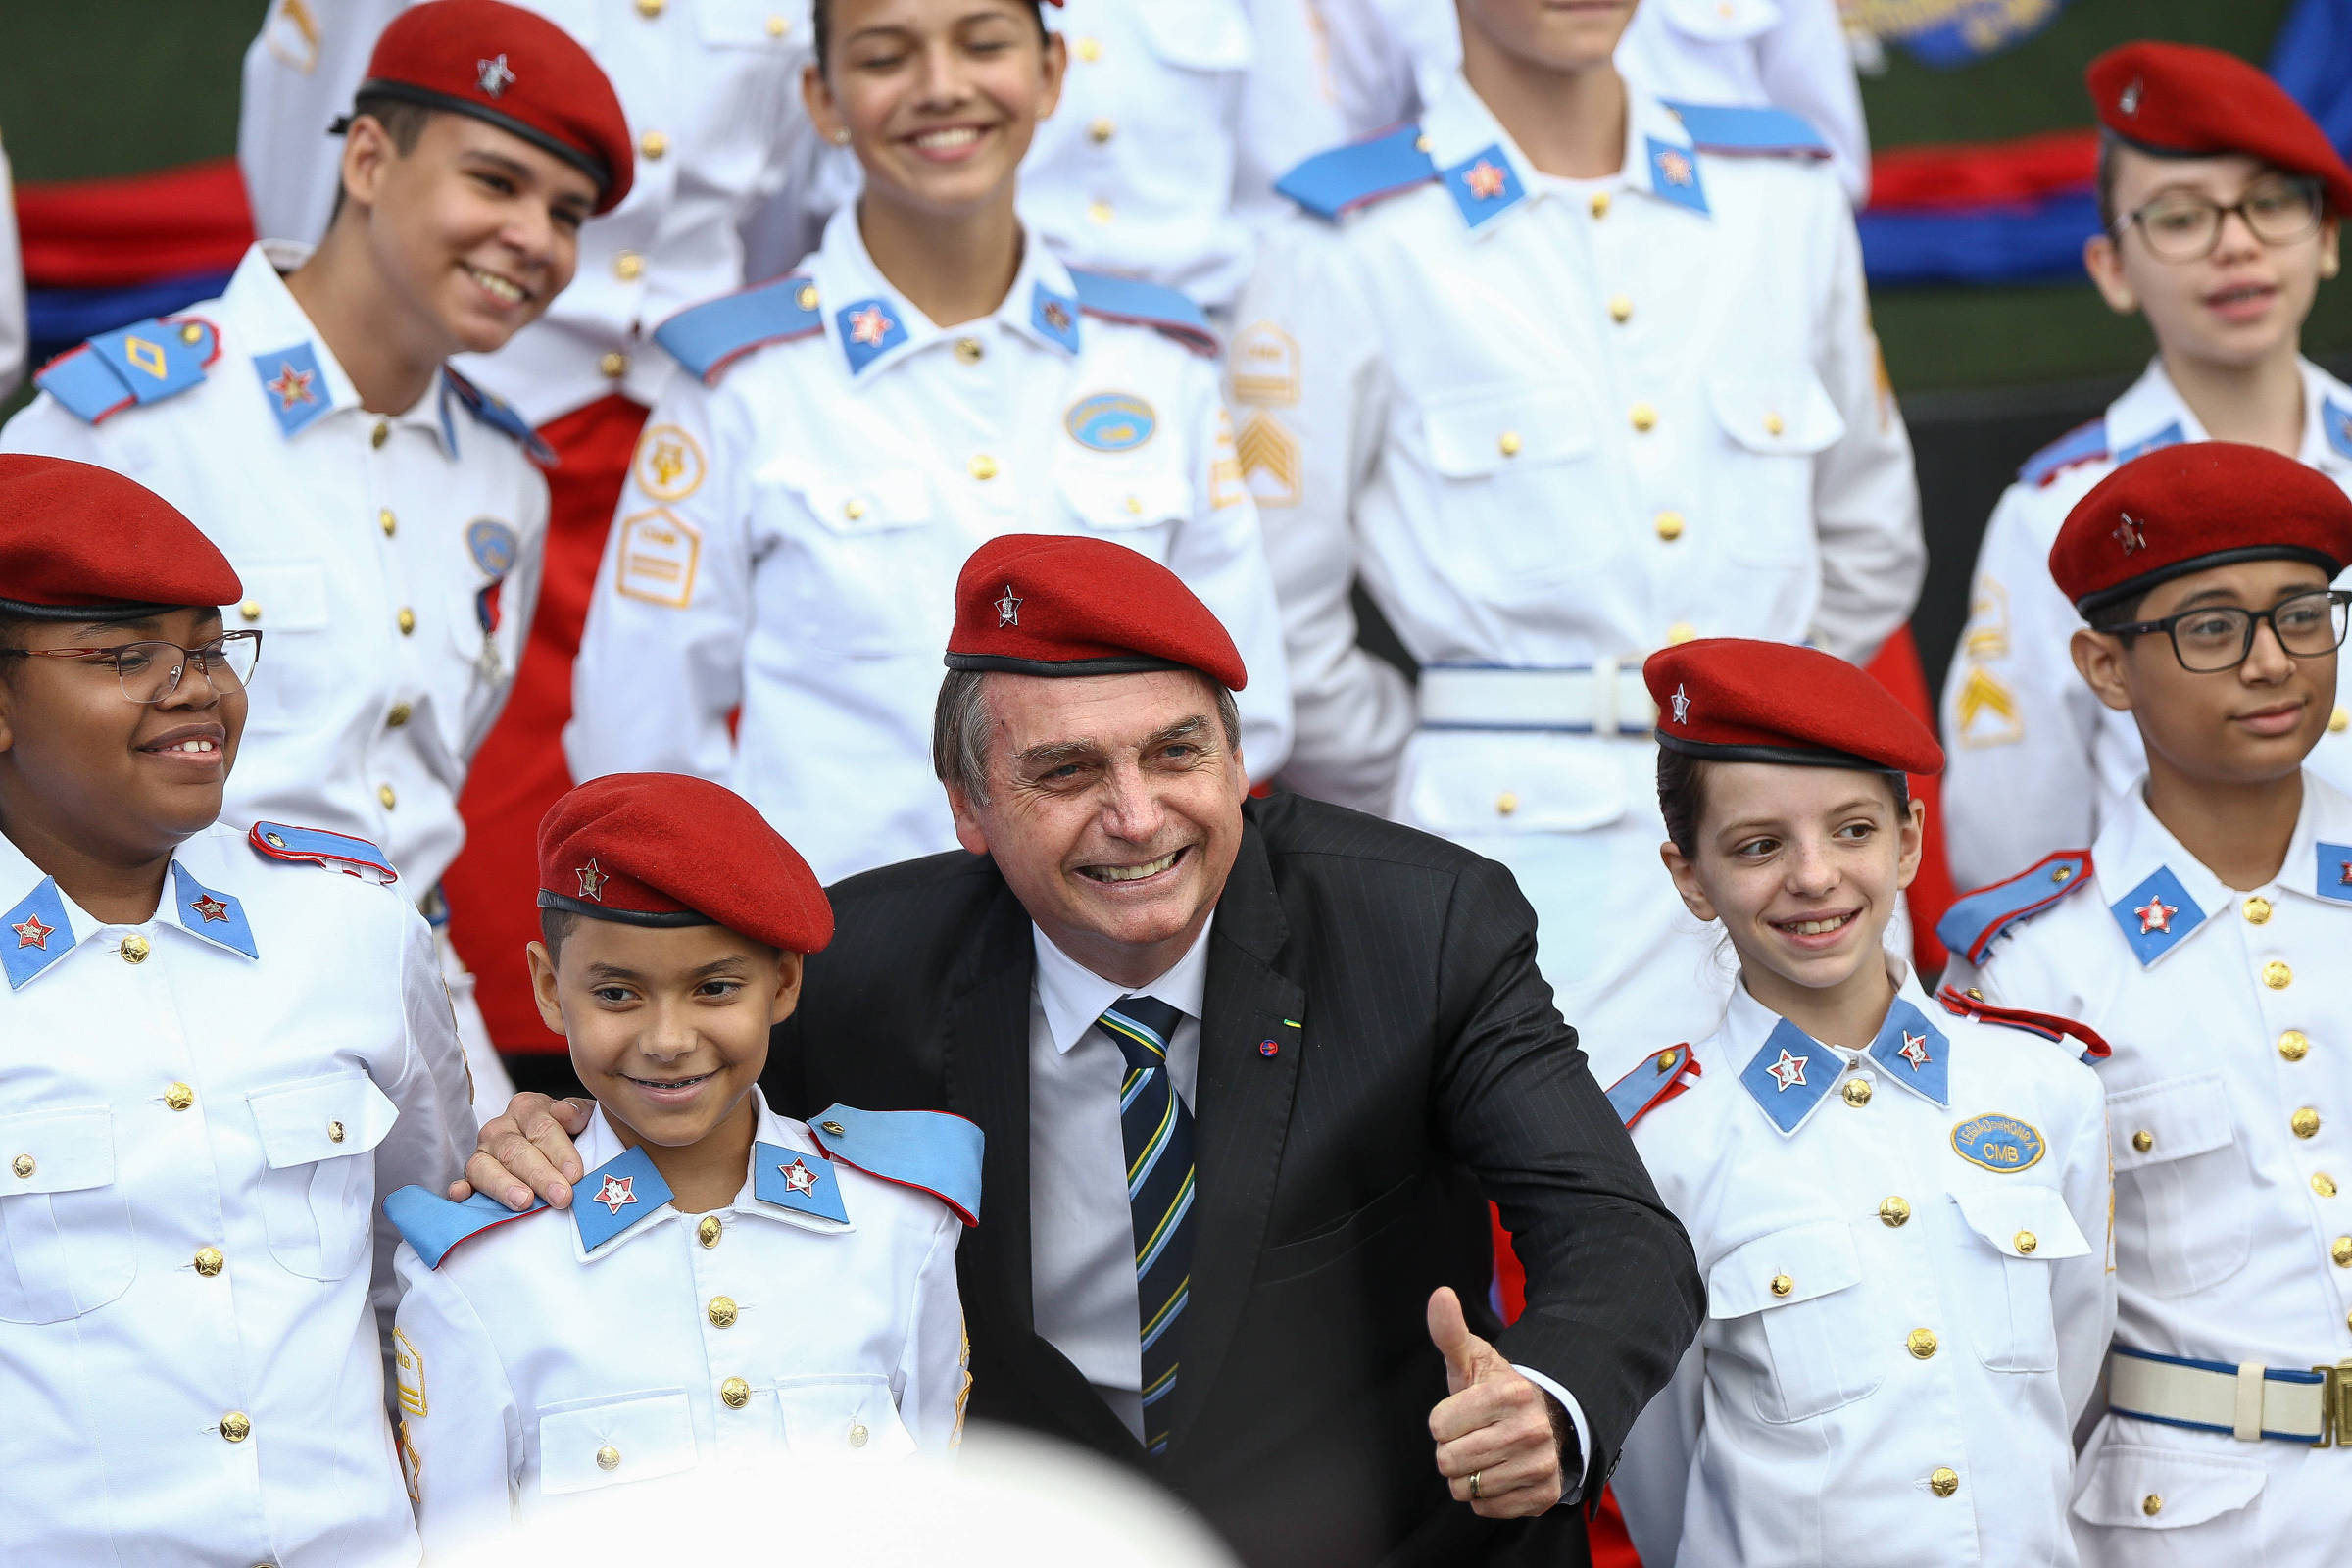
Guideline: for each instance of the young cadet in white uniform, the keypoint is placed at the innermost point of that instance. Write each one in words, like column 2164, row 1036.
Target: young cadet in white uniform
column 2212, row 956
column 386, row 515
column 2222, row 199
column 1553, row 423
column 1901, row 1211
column 798, row 508
column 216, row 1049
column 729, row 1288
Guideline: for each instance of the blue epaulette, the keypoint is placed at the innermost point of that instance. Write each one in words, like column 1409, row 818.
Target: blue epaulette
column 1141, row 304
column 499, row 417
column 929, row 1151
column 1345, row 177
column 144, row 362
column 337, row 852
column 2084, row 443
column 1658, row 1079
column 1745, row 128
column 706, row 338
column 1970, row 925
column 433, row 1225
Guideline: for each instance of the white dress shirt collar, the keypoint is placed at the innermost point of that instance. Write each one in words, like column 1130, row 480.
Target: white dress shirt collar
column 1073, row 996
column 268, row 320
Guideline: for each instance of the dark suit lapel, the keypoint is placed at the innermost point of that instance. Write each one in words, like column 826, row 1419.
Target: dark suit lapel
column 987, row 1062
column 1241, row 1114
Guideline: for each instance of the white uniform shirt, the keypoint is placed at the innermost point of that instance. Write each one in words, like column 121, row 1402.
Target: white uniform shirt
column 1175, row 118
column 537, row 1374
column 789, row 541
column 2229, row 1015
column 726, row 158
column 14, row 331
column 1908, row 1300
column 372, row 549
column 191, row 1147
column 2019, row 723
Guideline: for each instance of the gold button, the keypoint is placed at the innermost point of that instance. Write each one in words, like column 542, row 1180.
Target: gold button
column 380, row 434
column 1506, row 803
column 833, row 1127
column 708, row 1232
column 629, row 267
column 250, row 610
column 1101, row 132
column 1621, row 309
column 1508, row 443
column 2144, row 1140
column 735, row 1394
column 1098, row 212
column 1973, row 995
column 2323, row 1183
column 1089, row 48
column 2339, row 722
column 1135, row 506
column 969, row 350
column 1601, row 203
column 983, row 467
column 805, row 299
column 2258, row 909
column 399, row 715
column 2294, row 1044
column 2026, row 1241
column 408, row 620
column 236, row 1427
column 1669, row 526
column 650, row 8
column 209, row 1261
column 1782, row 1284
column 134, row 948
column 1920, row 1342
column 2278, row 976
column 653, row 144
column 191, row 334
column 180, row 1096
column 2152, row 1504
column 2305, row 1123
column 2340, row 1249
column 853, row 509
column 1943, row 1481
column 722, row 1311
column 1422, row 143
column 1682, row 631
column 384, row 792
column 23, row 1165
column 334, row 1132
column 857, row 1435
column 1645, row 416
column 1856, row 1092
column 1773, row 425
column 386, row 521
column 613, row 366
column 1893, row 1211
column 608, row 1457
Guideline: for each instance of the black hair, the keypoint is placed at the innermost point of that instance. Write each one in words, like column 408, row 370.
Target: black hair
column 404, row 121
column 555, row 928
column 1681, row 795
column 823, row 28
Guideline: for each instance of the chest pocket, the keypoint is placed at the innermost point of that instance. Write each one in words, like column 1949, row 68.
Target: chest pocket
column 66, row 1244
column 1455, row 784
column 1198, row 35
column 1140, row 505
column 1720, row 20
column 1774, row 423
column 318, row 1199
column 876, row 579
column 1798, row 1327
column 291, row 599
column 2005, row 1282
column 2184, row 1201
column 615, row 1442
column 1515, row 471
column 850, row 1416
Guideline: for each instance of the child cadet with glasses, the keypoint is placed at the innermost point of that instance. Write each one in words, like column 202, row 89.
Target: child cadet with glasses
column 1900, row 1209
column 2219, row 201
column 2205, row 935
column 215, row 1051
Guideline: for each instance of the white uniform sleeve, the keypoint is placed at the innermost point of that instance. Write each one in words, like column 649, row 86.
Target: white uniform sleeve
column 1653, row 1470
column 662, row 657
column 434, row 1132
column 2083, row 1289
column 461, row 1435
column 1306, row 451
column 1808, row 68
column 300, row 74
column 1865, row 494
column 1290, row 106
column 519, row 600
column 2019, row 724
column 15, row 334
column 934, row 1377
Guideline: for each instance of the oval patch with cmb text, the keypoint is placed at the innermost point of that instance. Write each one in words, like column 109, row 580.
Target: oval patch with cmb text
column 1110, row 421
column 1998, row 1143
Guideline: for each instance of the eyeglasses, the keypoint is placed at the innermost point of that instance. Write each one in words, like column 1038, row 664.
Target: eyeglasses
column 2219, row 637
column 2182, row 226
column 151, row 671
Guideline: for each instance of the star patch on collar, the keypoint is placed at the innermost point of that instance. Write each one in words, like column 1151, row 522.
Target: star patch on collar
column 292, row 387
column 870, row 326
column 1915, row 1051
column 799, row 1177
column 30, row 933
column 2156, row 915
column 1485, row 181
column 211, row 909
column 1789, row 1071
column 616, row 1193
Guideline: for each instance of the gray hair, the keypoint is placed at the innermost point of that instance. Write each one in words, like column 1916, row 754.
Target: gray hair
column 962, row 724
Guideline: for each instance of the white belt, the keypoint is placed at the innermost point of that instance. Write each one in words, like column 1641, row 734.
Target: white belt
column 2291, row 1404
column 1604, row 698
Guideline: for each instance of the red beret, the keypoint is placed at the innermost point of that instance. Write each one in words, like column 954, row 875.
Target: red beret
column 2198, row 504
column 83, row 543
column 1042, row 604
column 665, row 849
column 516, row 69
column 1734, row 699
column 2184, row 101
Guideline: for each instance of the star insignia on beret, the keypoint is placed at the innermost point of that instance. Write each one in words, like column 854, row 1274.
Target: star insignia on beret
column 798, row 1176
column 1681, row 705
column 869, row 325
column 211, row 909
column 492, row 76
column 2156, row 915
column 30, row 933
column 1485, row 181
column 1009, row 609
column 616, row 1192
column 592, row 879
column 1789, row 1071
column 291, row 387
column 1915, row 1051
column 2127, row 101
column 2131, row 533
column 1675, row 166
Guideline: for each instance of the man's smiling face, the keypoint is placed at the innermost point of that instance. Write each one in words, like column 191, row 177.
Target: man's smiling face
column 1113, row 811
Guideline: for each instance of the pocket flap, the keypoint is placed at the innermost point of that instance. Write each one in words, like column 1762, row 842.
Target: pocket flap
column 1198, row 35
column 321, row 1118
column 290, row 596
column 1783, row 1268
column 2026, row 1221
column 851, row 1415
column 1775, row 411
column 633, row 1438
column 1516, row 784
column 1488, row 430
column 57, row 1151
column 863, row 503
column 2178, row 1116
column 1113, row 500
column 2139, row 1487
column 1720, row 20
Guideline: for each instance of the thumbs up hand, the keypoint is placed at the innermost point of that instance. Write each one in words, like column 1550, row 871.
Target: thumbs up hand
column 1497, row 1433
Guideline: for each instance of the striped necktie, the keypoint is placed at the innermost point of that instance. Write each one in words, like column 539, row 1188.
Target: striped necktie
column 1157, row 1131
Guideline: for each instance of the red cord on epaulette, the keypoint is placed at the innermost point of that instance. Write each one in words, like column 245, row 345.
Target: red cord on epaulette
column 2050, row 1026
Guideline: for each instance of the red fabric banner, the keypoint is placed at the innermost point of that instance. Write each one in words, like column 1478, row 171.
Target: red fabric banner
column 112, row 233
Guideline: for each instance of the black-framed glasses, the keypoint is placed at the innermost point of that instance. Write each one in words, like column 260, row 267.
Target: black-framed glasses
column 2219, row 637
column 2180, row 225
column 151, row 671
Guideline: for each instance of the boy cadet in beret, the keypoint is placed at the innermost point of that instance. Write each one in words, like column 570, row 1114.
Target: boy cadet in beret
column 212, row 1053
column 385, row 516
column 2211, row 957
column 728, row 1287
column 2220, row 198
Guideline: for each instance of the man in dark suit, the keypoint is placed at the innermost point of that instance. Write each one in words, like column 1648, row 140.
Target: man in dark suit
column 1245, row 1069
